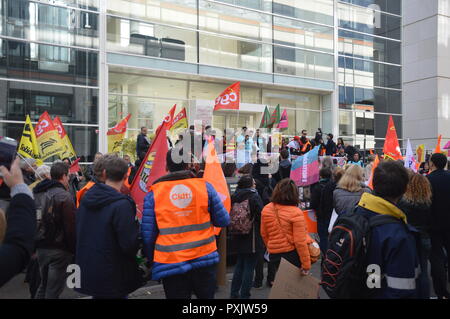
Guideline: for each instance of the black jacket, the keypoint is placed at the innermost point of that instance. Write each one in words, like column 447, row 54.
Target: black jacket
column 326, row 202
column 440, row 208
column 142, row 145
column 284, row 171
column 107, row 243
column 18, row 244
column 418, row 215
column 251, row 243
column 316, row 195
column 331, row 148
column 64, row 211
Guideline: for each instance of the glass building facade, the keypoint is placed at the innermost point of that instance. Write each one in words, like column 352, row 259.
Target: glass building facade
column 329, row 63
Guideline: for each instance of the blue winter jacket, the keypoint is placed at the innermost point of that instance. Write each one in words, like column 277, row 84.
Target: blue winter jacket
column 149, row 230
column 107, row 243
column 394, row 248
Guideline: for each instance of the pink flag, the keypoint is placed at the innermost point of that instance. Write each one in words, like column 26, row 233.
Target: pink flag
column 283, row 120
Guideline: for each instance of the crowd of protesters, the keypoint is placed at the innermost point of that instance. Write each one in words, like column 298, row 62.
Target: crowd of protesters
column 56, row 218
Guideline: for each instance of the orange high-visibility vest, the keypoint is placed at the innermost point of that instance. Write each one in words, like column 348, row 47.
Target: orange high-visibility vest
column 82, row 191
column 126, row 180
column 185, row 228
column 305, row 146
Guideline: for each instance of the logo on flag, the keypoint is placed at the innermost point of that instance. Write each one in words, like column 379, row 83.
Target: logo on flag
column 229, row 99
column 48, row 140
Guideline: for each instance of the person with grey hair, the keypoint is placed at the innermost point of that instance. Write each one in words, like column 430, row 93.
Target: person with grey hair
column 41, row 173
column 28, row 167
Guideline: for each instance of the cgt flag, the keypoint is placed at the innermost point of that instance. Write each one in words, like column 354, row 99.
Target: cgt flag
column 179, row 121
column 28, row 147
column 229, row 99
column 214, row 175
column 391, row 147
column 153, row 166
column 68, row 151
column 305, row 169
column 48, row 140
column 116, row 135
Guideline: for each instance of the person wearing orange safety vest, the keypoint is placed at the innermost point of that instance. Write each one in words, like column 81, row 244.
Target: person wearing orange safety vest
column 177, row 231
column 305, row 145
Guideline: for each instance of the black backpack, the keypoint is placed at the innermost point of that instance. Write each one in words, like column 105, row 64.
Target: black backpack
column 344, row 274
column 50, row 226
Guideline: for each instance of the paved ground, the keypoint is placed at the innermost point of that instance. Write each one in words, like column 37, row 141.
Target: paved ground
column 17, row 289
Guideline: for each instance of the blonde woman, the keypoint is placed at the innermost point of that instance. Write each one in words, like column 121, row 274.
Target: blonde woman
column 416, row 204
column 349, row 190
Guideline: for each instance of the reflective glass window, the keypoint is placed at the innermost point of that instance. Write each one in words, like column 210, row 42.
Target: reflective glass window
column 374, row 99
column 151, row 40
column 172, row 12
column 31, row 61
column 391, row 6
column 368, row 47
column 46, row 23
column 367, row 74
column 71, row 104
column 224, row 19
column 368, row 21
column 304, row 35
column 234, row 53
column 320, row 11
column 303, row 63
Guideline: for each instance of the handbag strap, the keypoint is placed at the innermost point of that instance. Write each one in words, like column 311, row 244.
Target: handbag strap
column 279, row 224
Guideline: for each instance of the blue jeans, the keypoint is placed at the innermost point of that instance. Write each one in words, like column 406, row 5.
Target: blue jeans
column 423, row 290
column 243, row 276
column 200, row 281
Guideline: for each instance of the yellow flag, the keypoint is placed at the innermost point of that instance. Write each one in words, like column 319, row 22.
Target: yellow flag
column 116, row 135
column 179, row 121
column 28, row 144
column 68, row 151
column 48, row 140
column 420, row 151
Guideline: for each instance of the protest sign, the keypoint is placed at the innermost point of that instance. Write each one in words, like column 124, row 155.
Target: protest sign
column 290, row 284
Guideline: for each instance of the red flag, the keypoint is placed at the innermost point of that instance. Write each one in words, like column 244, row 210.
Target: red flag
column 284, row 122
column 391, row 147
column 120, row 127
column 214, row 175
column 153, row 167
column 167, row 120
column 229, row 99
column 74, row 168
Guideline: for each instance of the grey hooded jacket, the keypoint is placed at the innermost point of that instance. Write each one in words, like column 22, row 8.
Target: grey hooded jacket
column 345, row 201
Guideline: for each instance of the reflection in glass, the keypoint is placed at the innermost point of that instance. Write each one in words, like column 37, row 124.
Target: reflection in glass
column 71, row 104
column 376, row 99
column 24, row 60
column 304, row 35
column 38, row 22
column 234, row 53
column 223, row 19
column 320, row 11
column 391, row 6
column 366, row 21
column 303, row 63
column 368, row 47
column 151, row 40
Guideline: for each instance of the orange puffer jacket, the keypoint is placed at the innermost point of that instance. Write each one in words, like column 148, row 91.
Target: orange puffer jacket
column 292, row 235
